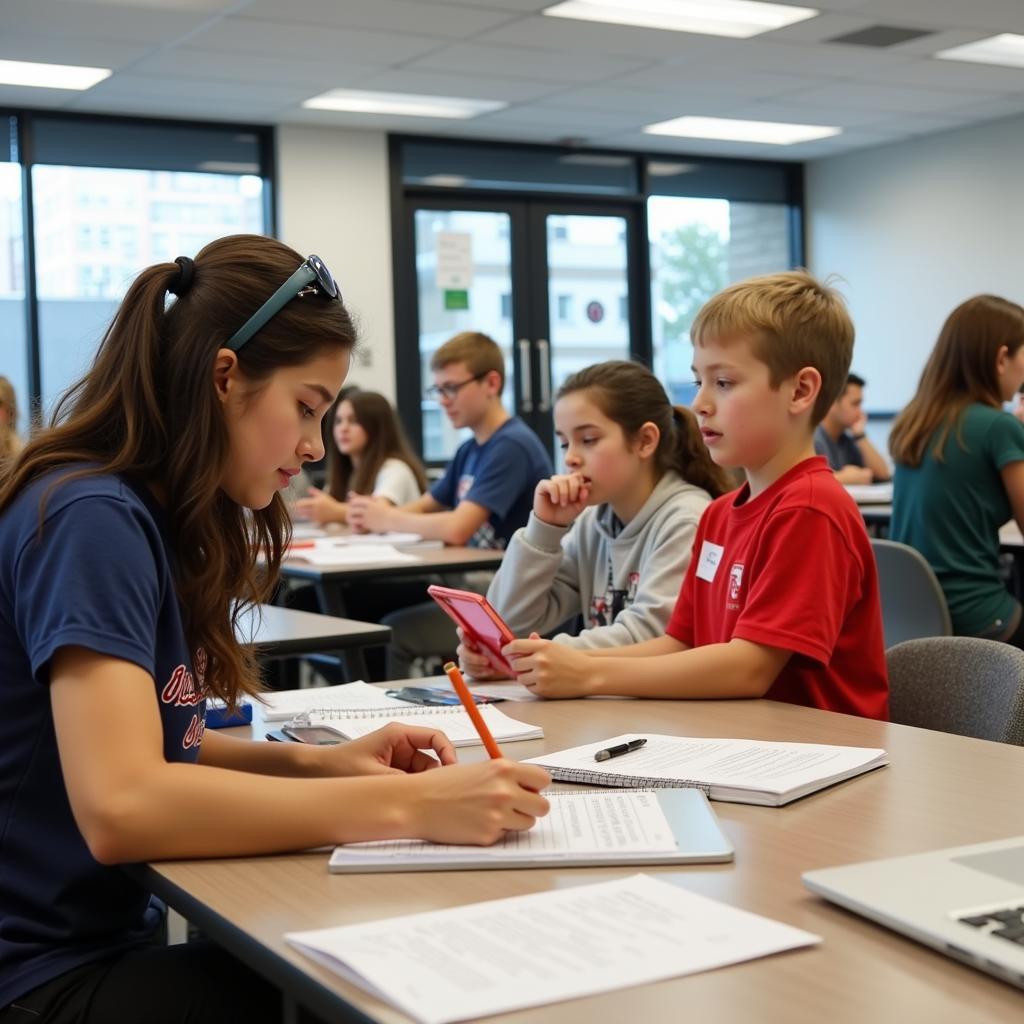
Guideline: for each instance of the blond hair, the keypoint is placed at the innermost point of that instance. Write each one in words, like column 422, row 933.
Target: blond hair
column 478, row 351
column 10, row 443
column 793, row 321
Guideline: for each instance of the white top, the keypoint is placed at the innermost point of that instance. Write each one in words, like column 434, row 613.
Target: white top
column 397, row 482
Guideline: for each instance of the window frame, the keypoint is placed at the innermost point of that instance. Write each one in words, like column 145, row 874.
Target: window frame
column 22, row 122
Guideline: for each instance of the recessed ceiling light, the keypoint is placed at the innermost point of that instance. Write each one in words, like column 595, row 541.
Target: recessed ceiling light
column 772, row 133
column 50, row 76
column 1005, row 49
column 739, row 19
column 360, row 101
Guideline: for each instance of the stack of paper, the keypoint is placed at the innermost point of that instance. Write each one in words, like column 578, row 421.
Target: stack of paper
column 502, row 955
column 741, row 771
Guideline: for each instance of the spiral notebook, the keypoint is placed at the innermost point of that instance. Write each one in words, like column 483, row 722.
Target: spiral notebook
column 584, row 828
column 737, row 771
column 453, row 722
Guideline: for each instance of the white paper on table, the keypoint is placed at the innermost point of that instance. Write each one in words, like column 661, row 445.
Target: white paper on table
column 283, row 705
column 765, row 766
column 502, row 955
column 327, row 551
column 505, row 689
column 396, row 539
column 578, row 823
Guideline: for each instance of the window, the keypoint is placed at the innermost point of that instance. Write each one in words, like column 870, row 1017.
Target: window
column 564, row 304
column 112, row 197
column 13, row 350
column 506, row 306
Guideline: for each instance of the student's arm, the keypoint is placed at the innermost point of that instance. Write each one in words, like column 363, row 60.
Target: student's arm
column 853, row 475
column 321, row 507
column 735, row 669
column 132, row 805
column 453, row 526
column 874, row 460
column 538, row 585
column 1013, row 480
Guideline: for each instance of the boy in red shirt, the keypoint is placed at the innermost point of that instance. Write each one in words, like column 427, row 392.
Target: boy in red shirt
column 781, row 597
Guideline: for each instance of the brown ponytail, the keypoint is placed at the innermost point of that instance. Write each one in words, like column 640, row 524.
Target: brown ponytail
column 630, row 395
column 148, row 410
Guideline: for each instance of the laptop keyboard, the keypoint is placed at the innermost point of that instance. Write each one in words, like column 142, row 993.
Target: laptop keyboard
column 1003, row 924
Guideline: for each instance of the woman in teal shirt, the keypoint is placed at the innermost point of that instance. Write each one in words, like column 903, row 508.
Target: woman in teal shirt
column 960, row 464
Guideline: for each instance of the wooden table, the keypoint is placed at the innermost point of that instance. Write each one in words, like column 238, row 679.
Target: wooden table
column 329, row 580
column 288, row 632
column 939, row 791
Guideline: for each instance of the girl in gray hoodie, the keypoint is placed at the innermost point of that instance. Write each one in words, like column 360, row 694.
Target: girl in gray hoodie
column 606, row 545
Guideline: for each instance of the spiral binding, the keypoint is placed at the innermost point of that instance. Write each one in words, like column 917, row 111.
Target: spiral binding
column 585, row 775
column 304, row 717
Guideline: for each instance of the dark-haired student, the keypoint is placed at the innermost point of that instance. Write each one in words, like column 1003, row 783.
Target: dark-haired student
column 368, row 454
column 841, row 437
column 960, row 464
column 130, row 531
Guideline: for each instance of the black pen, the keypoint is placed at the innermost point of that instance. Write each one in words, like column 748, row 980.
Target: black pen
column 618, row 751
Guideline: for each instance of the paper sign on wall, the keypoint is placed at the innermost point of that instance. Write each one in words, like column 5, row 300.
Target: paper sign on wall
column 454, row 260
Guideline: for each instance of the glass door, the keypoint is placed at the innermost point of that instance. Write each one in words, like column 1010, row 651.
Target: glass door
column 553, row 285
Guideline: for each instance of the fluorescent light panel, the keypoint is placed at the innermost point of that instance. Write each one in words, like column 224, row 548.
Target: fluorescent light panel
column 50, row 76
column 361, row 101
column 773, row 133
column 738, row 19
column 1006, row 49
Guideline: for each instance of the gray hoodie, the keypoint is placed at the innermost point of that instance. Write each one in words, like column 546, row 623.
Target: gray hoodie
column 623, row 579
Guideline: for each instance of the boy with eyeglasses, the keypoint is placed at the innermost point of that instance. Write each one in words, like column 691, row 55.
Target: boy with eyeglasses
column 484, row 496
column 486, row 492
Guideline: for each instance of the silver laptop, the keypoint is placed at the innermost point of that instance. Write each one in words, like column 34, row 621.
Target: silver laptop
column 967, row 902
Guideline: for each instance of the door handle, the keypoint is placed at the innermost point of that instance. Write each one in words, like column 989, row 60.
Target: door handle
column 545, row 374
column 525, row 383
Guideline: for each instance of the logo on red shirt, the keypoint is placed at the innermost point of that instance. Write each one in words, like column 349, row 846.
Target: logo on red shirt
column 735, row 584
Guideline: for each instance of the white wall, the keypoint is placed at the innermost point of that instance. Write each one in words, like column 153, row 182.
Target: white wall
column 333, row 200
column 915, row 228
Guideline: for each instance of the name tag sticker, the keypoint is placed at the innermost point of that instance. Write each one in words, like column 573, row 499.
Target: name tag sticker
column 710, row 557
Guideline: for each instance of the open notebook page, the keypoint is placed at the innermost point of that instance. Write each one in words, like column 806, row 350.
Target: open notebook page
column 578, row 823
column 283, row 705
column 487, row 958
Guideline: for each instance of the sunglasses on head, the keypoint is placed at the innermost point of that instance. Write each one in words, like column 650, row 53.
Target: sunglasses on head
column 312, row 278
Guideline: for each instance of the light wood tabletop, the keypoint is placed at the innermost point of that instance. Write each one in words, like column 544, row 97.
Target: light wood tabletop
column 429, row 559
column 280, row 632
column 938, row 791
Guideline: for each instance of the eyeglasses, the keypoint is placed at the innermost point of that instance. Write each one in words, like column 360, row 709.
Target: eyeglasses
column 312, row 278
column 449, row 391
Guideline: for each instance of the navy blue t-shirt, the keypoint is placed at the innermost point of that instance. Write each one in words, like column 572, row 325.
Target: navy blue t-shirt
column 99, row 578
column 501, row 475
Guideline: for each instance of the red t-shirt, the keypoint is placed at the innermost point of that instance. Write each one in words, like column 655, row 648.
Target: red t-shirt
column 792, row 568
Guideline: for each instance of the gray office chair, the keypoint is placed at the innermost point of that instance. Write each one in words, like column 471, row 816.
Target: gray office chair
column 959, row 684
column 913, row 604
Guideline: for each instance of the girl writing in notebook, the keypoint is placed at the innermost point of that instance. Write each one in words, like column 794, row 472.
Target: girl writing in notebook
column 960, row 464
column 129, row 536
column 608, row 541
column 370, row 455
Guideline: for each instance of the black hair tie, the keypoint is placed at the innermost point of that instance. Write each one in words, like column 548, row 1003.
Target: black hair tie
column 186, row 273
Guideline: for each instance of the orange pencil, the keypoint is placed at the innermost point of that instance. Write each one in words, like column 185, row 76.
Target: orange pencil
column 451, row 670
column 297, row 544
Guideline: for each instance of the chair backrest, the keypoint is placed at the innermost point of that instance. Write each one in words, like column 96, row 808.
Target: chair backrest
column 913, row 604
column 958, row 684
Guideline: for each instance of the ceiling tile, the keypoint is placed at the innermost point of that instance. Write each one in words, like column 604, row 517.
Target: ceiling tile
column 51, row 49
column 998, row 15
column 680, row 77
column 216, row 91
column 81, row 19
column 415, row 16
column 865, row 96
column 467, row 86
column 590, row 38
column 524, row 62
column 318, row 75
column 253, row 35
